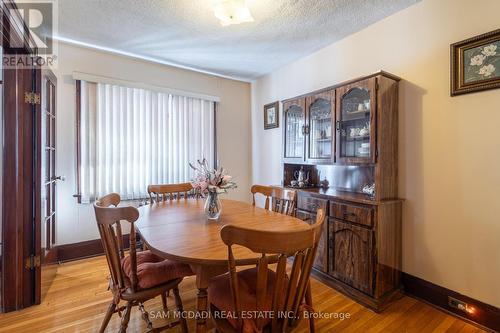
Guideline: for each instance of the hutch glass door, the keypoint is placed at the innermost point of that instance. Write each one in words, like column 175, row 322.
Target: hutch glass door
column 294, row 130
column 355, row 123
column 320, row 127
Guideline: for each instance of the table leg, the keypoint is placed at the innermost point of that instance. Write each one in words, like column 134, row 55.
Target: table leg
column 201, row 321
column 203, row 276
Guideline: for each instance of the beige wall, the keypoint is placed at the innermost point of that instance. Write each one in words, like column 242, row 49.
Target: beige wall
column 76, row 222
column 449, row 147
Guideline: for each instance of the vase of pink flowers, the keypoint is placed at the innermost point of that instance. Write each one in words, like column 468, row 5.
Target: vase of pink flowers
column 210, row 183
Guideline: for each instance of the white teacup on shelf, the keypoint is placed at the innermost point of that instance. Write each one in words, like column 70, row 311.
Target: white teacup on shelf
column 364, row 131
column 354, row 132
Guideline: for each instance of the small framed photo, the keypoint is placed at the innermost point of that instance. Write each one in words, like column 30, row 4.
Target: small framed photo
column 475, row 64
column 272, row 115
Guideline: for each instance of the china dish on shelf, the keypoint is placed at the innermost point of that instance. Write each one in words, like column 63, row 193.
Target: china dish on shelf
column 364, row 150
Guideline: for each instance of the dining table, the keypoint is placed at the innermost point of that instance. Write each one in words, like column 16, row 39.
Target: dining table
column 180, row 230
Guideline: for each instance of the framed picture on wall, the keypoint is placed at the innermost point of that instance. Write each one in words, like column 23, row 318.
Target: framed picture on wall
column 475, row 64
column 272, row 115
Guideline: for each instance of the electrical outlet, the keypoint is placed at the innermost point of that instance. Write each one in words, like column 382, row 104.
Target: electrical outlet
column 457, row 304
column 460, row 305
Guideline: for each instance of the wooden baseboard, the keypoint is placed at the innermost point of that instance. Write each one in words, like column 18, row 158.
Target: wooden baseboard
column 87, row 249
column 484, row 315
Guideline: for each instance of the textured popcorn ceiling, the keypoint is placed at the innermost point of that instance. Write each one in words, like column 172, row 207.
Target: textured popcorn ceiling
column 186, row 33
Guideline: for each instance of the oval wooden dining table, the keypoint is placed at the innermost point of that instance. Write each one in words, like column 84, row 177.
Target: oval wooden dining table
column 179, row 230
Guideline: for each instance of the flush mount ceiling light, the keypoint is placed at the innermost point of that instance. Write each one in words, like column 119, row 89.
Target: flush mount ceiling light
column 232, row 11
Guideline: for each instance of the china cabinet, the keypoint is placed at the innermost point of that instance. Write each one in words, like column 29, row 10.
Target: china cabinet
column 345, row 138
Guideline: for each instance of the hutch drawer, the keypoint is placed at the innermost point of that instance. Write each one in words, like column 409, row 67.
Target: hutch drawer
column 311, row 204
column 352, row 213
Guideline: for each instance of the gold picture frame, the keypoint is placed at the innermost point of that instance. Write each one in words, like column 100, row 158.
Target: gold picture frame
column 475, row 64
column 272, row 115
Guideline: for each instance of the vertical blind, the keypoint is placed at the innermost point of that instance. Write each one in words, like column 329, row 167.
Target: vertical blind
column 132, row 137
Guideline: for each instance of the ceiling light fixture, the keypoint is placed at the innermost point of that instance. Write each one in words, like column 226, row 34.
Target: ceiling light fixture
column 232, row 12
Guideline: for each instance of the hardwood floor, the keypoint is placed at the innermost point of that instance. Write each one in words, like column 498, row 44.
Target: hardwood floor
column 77, row 298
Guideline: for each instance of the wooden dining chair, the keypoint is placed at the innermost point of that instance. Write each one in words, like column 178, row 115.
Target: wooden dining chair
column 281, row 200
column 140, row 276
column 158, row 193
column 261, row 290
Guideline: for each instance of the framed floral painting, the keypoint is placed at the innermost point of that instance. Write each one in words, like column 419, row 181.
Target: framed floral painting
column 271, row 115
column 475, row 64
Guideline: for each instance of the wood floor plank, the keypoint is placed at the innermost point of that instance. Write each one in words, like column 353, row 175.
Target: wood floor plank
column 77, row 298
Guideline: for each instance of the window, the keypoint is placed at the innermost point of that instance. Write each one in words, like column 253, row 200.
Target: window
column 132, row 137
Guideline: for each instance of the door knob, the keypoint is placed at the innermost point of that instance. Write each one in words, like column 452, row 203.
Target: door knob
column 62, row 178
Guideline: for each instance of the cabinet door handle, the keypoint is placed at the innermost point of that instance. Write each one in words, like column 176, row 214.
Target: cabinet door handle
column 305, row 129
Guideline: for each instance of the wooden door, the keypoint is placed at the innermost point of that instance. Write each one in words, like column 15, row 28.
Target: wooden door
column 294, row 131
column 21, row 184
column 351, row 249
column 21, row 179
column 48, row 166
column 320, row 147
column 356, row 122
column 321, row 259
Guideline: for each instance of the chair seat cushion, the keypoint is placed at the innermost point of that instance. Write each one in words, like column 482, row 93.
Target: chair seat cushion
column 153, row 270
column 219, row 294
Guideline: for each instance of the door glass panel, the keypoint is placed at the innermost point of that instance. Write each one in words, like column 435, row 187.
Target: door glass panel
column 53, row 229
column 46, row 166
column 46, row 129
column 46, row 233
column 47, row 205
column 320, row 120
column 294, row 120
column 355, row 124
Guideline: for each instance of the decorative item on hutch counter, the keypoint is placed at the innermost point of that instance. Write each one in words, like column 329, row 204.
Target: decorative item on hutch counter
column 272, row 115
column 210, row 183
column 344, row 140
column 475, row 64
column 301, row 178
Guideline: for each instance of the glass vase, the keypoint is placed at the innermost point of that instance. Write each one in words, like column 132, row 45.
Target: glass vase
column 213, row 206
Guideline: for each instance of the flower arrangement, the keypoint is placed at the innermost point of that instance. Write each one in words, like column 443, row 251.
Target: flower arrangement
column 208, row 180
column 210, row 183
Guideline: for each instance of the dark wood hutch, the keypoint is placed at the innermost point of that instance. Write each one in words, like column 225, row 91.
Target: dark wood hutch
column 347, row 137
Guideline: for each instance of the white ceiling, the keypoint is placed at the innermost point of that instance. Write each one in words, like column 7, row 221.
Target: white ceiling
column 186, row 33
